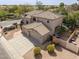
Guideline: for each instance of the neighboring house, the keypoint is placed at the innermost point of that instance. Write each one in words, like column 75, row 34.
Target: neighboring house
column 37, row 31
column 9, row 23
column 49, row 19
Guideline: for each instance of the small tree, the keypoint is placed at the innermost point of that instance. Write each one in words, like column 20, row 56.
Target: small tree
column 51, row 48
column 59, row 31
column 61, row 4
column 37, row 50
column 39, row 5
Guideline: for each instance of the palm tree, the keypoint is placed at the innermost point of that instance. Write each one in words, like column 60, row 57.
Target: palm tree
column 39, row 5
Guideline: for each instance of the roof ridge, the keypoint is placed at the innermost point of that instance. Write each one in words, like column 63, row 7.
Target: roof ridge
column 38, row 25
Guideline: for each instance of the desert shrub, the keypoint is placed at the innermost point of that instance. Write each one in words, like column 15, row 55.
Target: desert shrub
column 37, row 50
column 51, row 48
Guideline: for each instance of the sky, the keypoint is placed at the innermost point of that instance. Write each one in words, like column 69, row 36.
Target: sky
column 33, row 2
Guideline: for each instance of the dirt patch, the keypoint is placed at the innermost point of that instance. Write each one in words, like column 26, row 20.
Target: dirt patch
column 9, row 34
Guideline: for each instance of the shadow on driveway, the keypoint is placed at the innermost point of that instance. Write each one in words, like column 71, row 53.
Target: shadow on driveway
column 38, row 56
column 53, row 54
column 59, row 48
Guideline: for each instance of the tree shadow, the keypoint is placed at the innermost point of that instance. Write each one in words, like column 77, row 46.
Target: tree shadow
column 38, row 56
column 52, row 54
column 58, row 48
column 78, row 54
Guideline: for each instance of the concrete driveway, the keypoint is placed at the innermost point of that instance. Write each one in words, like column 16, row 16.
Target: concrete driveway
column 20, row 43
column 6, row 50
column 3, row 53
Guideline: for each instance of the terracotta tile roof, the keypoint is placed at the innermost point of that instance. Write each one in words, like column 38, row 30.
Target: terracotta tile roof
column 34, row 12
column 39, row 27
column 48, row 15
column 9, row 23
column 43, row 14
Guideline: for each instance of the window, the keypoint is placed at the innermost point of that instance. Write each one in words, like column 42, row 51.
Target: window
column 38, row 20
column 1, row 27
column 47, row 21
column 34, row 19
column 22, row 22
column 25, row 15
column 26, row 22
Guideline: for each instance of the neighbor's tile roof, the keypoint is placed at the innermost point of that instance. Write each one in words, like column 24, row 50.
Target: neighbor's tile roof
column 34, row 12
column 39, row 27
column 9, row 23
column 43, row 14
column 32, row 25
column 28, row 16
column 47, row 15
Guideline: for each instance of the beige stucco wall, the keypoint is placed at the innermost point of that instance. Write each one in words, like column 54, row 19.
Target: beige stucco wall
column 72, row 47
column 66, row 44
column 25, row 32
column 60, row 41
column 52, row 23
column 44, row 21
column 33, row 34
column 39, row 37
column 36, row 35
column 56, row 23
column 46, row 36
column 26, row 19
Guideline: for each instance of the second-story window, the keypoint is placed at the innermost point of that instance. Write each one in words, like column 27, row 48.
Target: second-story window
column 34, row 19
column 26, row 22
column 47, row 21
column 25, row 15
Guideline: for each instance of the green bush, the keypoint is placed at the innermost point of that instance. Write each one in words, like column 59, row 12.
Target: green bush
column 37, row 50
column 51, row 48
column 60, row 30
